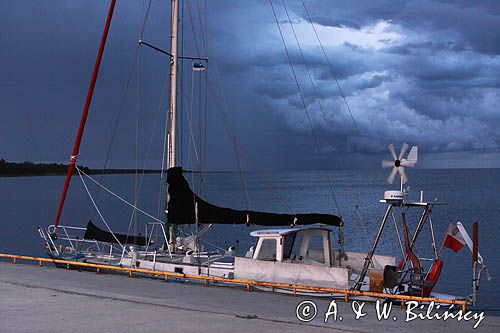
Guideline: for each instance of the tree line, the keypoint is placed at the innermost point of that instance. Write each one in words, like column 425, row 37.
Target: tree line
column 29, row 168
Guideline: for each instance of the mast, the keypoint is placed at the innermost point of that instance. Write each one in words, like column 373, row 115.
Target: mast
column 172, row 108
column 83, row 120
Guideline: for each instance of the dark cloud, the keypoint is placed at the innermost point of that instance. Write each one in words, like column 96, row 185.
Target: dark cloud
column 474, row 23
column 425, row 47
column 433, row 86
column 426, row 72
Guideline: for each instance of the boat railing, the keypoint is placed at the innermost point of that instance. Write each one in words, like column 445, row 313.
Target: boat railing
column 74, row 237
column 155, row 231
column 73, row 241
column 49, row 243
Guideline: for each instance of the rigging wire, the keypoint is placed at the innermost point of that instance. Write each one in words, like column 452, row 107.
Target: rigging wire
column 195, row 145
column 201, row 177
column 97, row 208
column 306, row 65
column 181, row 105
column 316, row 140
column 151, row 139
column 189, row 163
column 200, row 119
column 221, row 108
column 204, row 155
column 124, row 97
column 204, row 37
column 334, row 74
column 196, row 164
column 203, row 110
column 202, row 123
column 117, row 119
column 139, row 181
column 118, row 196
column 133, row 219
column 200, row 110
column 228, row 129
column 192, row 145
column 163, row 187
column 318, row 99
column 240, row 147
column 330, row 66
column 235, row 143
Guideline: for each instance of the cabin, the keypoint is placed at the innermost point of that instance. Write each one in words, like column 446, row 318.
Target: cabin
column 302, row 255
column 299, row 256
column 309, row 245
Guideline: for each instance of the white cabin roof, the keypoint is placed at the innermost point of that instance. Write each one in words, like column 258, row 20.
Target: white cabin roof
column 286, row 231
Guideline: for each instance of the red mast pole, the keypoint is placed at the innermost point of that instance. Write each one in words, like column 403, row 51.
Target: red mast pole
column 90, row 92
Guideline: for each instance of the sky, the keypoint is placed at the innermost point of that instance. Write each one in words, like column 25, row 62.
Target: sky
column 422, row 72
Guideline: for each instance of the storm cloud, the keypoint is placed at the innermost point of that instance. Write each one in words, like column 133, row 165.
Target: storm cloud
column 422, row 72
column 417, row 71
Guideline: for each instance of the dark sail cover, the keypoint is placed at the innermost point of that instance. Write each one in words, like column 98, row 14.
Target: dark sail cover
column 94, row 232
column 185, row 207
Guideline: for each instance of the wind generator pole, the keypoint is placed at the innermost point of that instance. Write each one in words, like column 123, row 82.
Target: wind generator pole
column 83, row 120
column 172, row 107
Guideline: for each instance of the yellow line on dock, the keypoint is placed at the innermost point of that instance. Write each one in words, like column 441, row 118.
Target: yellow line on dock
column 247, row 283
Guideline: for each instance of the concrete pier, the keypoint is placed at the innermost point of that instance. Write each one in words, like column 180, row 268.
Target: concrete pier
column 48, row 299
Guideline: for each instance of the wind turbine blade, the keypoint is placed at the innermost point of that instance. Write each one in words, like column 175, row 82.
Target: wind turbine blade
column 404, row 148
column 387, row 164
column 402, row 172
column 392, row 175
column 392, row 151
column 413, row 155
column 407, row 163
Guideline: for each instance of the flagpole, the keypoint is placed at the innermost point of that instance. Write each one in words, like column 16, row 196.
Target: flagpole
column 441, row 248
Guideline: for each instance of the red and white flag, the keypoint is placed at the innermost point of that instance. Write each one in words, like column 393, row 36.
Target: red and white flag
column 453, row 238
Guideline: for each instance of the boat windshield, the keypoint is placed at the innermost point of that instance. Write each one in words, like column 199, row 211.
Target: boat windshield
column 268, row 250
column 291, row 246
column 316, row 249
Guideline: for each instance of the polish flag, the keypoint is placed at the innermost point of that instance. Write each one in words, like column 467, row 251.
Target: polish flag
column 454, row 239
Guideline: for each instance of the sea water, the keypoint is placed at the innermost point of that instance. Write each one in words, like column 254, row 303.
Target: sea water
column 471, row 194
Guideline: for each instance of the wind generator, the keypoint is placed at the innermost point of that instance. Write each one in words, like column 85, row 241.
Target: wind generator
column 395, row 200
column 398, row 165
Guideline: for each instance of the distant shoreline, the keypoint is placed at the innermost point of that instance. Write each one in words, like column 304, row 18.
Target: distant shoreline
column 88, row 172
column 30, row 169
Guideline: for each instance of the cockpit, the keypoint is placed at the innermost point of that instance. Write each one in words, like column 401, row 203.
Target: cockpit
column 308, row 245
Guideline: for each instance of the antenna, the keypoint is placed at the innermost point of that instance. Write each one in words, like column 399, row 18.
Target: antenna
column 399, row 163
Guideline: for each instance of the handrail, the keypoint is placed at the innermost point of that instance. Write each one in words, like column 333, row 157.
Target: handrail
column 248, row 283
column 52, row 228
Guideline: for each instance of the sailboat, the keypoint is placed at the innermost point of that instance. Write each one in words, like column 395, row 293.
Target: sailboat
column 297, row 251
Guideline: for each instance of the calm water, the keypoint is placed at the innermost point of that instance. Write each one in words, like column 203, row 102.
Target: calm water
column 472, row 195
